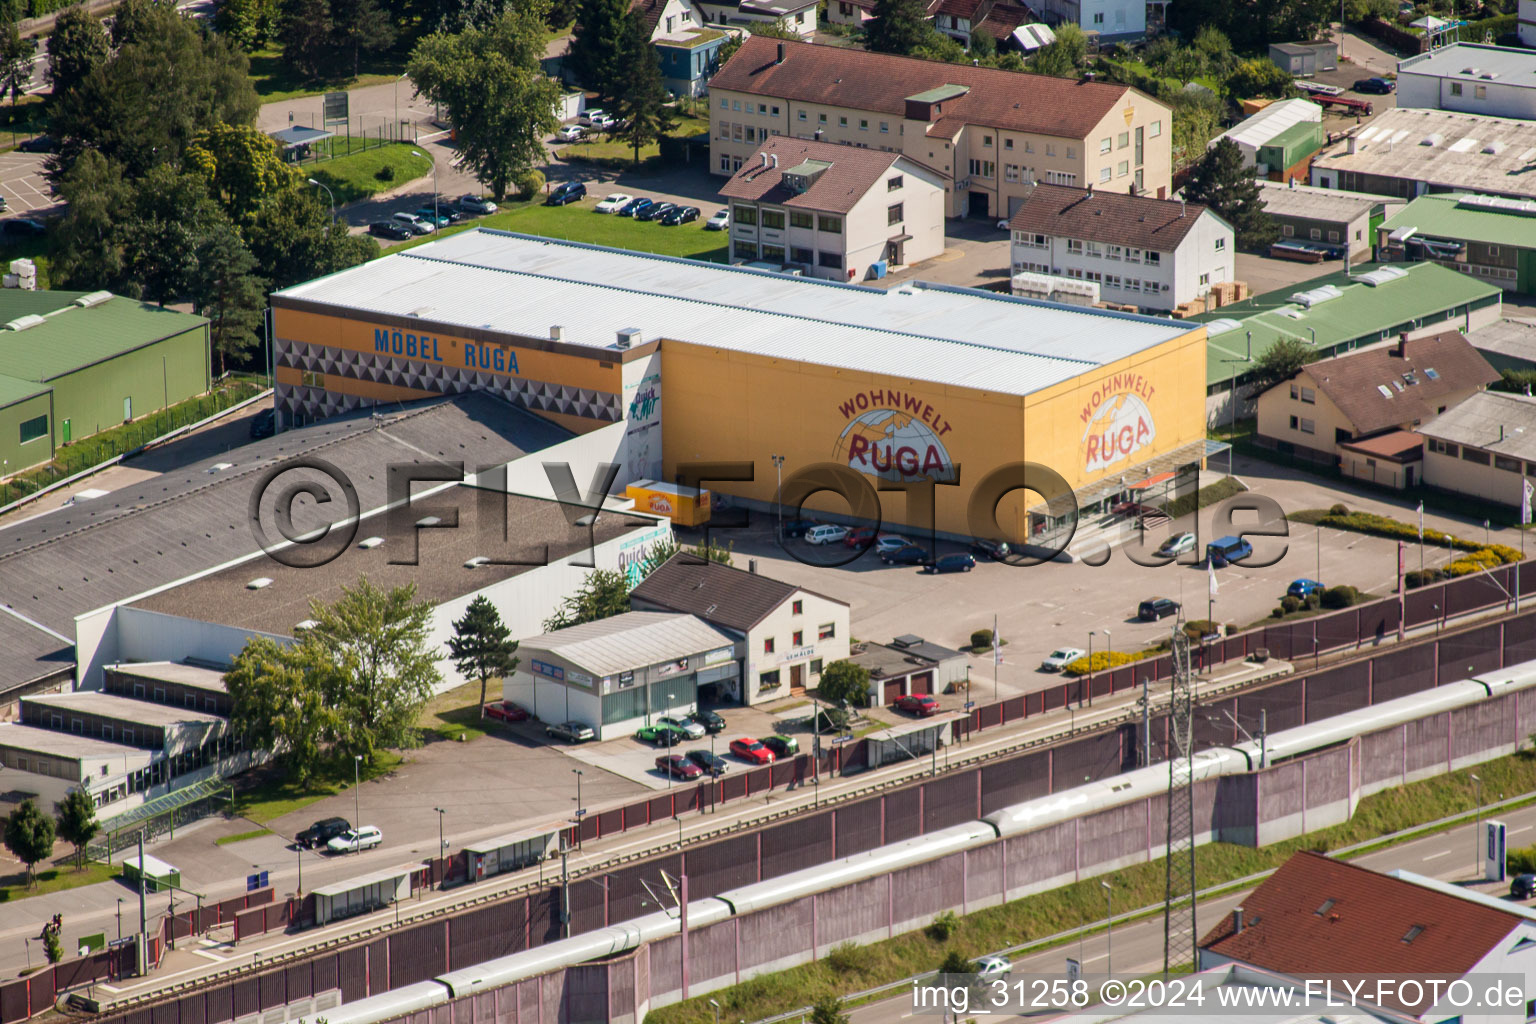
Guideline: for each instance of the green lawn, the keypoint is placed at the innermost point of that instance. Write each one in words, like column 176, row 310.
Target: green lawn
column 578, row 223
column 274, row 798
column 357, row 176
column 255, row 833
column 456, row 712
column 14, row 887
column 851, row 969
column 275, row 81
column 610, row 151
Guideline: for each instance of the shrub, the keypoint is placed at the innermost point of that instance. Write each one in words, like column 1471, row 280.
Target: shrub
column 385, row 173
column 848, row 958
column 1338, row 510
column 955, row 962
column 1392, row 529
column 1340, row 597
column 981, row 638
column 943, row 926
column 1277, row 612
column 1102, row 660
column 1290, row 603
column 1521, row 861
column 1417, row 578
column 529, row 184
column 1197, row 628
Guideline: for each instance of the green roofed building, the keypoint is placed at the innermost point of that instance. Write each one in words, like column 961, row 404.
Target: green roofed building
column 1490, row 237
column 74, row 363
column 1369, row 305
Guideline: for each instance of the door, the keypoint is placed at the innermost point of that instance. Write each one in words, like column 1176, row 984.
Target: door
column 127, row 408
column 892, row 690
column 797, row 679
column 66, row 431
column 922, row 682
column 980, row 203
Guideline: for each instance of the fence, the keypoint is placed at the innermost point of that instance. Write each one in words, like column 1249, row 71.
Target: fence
column 346, row 142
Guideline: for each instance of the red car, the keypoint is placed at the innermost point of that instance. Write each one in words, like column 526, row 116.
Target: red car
column 920, row 704
column 860, row 535
column 752, row 750
column 678, row 766
column 506, row 711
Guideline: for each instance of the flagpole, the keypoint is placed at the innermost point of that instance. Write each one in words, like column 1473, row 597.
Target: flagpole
column 1421, row 540
column 997, row 656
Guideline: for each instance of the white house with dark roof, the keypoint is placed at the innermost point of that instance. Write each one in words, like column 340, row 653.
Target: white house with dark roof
column 1496, row 81
column 833, row 211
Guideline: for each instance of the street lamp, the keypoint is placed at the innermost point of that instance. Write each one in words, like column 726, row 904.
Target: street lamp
column 580, row 808
column 778, row 494
column 440, row 844
column 119, row 919
column 357, row 813
column 319, row 184
column 1109, row 928
column 434, row 185
column 1477, row 835
column 716, row 1007
column 1088, row 675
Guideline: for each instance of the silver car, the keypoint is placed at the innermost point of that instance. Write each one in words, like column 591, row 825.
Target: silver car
column 693, row 730
column 571, row 732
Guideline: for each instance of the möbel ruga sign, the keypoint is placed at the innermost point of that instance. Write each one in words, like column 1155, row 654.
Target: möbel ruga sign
column 1117, row 421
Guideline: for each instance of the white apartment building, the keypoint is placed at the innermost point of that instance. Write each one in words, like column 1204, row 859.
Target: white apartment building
column 1498, row 81
column 1152, row 253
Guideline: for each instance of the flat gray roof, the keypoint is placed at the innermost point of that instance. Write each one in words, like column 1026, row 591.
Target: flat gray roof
column 361, row 881
column 175, row 672
column 35, row 739
column 1515, row 338
column 125, row 709
column 1491, row 420
column 632, row 640
column 1319, row 203
column 1471, row 62
column 1453, row 151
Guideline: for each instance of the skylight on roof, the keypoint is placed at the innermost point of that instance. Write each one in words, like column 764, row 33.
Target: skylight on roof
column 1432, row 373
column 370, row 542
column 1398, row 384
column 1327, row 906
column 259, row 583
column 1386, row 392
column 1413, row 933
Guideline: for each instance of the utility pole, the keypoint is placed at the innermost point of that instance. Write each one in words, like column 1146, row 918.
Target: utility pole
column 1263, row 738
column 143, row 943
column 1180, row 937
column 1146, row 722
column 565, row 890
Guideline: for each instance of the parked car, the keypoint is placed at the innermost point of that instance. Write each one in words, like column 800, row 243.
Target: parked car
column 719, row 222
column 678, row 766
column 1155, row 608
column 1227, row 549
column 920, row 704
column 860, row 536
column 1304, row 588
column 752, row 750
column 263, row 424
column 365, row 837
column 799, row 527
column 1379, row 86
column 602, row 122
column 588, row 115
column 23, row 227
column 415, row 224
column 322, row 832
column 711, row 763
column 711, row 722
column 782, row 746
column 566, row 192
column 570, row 133
column 825, row 534
column 680, row 215
column 392, row 230
column 655, row 211
column 1522, row 887
column 634, row 206
column 909, row 555
column 952, row 563
column 984, row 547
column 612, row 203
column 470, row 203
column 889, row 542
column 4, row 203
column 661, row 734
column 1177, row 545
column 687, row 726
column 39, row 144
column 1061, row 657
column 441, row 216
column 990, row 968
column 571, row 732
column 506, row 711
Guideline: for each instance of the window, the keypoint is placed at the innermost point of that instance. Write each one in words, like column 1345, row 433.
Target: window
column 821, row 118
column 830, row 260
column 1295, row 394
column 800, row 115
column 831, row 224
column 1008, row 145
column 774, row 110
column 1114, row 252
column 1112, row 281
column 1029, row 147
column 885, row 127
column 1442, row 448
column 893, row 214
column 725, row 104
column 826, row 631
column 1074, row 247
column 1123, row 141
column 1133, row 255
column 815, row 666
column 801, row 219
column 1293, row 422
column 1418, row 929
column 1493, row 250
column 725, row 163
column 768, row 645
column 1221, row 245
column 842, row 120
column 1205, row 279
column 798, row 639
column 1071, row 152
column 736, row 132
column 1010, row 172
column 773, row 253
column 1473, row 455
column 1050, row 149
column 892, row 184
column 1122, row 168
column 1316, row 234
column 1309, row 396
column 1455, row 88
column 34, row 428
column 798, row 254
column 1154, row 129
column 1333, row 236
column 1308, row 426
column 986, row 142
column 1482, row 92
column 863, row 125
column 752, row 134
column 745, row 250
column 1288, row 230
column 735, row 104
column 1507, row 464
column 797, row 607
column 983, row 168
column 768, row 680
column 1098, row 18
column 744, row 215
column 773, row 220
column 1105, row 145
column 750, row 108
column 1104, row 174
column 311, row 379
column 1153, row 258
column 1095, row 250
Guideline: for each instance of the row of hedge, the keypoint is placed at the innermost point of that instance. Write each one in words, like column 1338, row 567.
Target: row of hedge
column 1099, row 661
column 1340, row 518
column 1393, row 36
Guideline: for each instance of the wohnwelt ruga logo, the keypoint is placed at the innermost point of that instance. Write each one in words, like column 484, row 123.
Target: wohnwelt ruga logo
column 893, row 435
column 1117, row 421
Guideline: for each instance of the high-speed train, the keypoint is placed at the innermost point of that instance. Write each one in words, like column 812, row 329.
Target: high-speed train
column 1024, row 817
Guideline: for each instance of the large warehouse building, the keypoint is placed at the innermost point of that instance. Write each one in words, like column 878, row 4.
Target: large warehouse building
column 901, row 384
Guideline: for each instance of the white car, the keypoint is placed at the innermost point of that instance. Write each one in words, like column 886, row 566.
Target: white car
column 719, row 222
column 888, row 542
column 1177, row 545
column 601, row 121
column 826, row 534
column 588, row 115
column 570, row 133
column 417, row 225
column 1061, row 658
column 693, row 729
column 476, row 204
column 364, row 838
column 990, row 968
column 613, row 202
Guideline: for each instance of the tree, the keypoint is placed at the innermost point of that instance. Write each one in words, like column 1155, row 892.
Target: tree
column 491, row 84
column 170, row 217
column 1260, row 76
column 1063, row 56
column 662, row 551
column 597, row 46
column 940, row 47
column 1221, row 182
column 955, row 962
column 1196, row 120
column 29, row 835
column 277, row 696
column 1212, row 44
column 16, row 56
column 844, row 683
column 1280, row 362
column 77, row 47
column 304, row 30
column 829, row 1010
column 225, row 289
column 898, row 26
column 983, row 45
column 358, row 27
column 251, row 24
column 241, row 166
column 482, row 645
column 294, row 239
column 77, row 824
column 53, row 949
column 604, row 593
column 87, row 248
column 642, row 98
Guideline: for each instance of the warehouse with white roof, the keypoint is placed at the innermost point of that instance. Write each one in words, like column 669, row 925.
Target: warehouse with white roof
column 898, row 385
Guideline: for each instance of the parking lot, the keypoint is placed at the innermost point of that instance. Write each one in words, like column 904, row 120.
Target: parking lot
column 22, row 182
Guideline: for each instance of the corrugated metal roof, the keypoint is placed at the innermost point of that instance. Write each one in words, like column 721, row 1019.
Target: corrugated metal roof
column 1447, row 215
column 73, row 337
column 1268, row 123
column 632, row 640
column 521, row 284
column 1492, row 421
column 14, row 389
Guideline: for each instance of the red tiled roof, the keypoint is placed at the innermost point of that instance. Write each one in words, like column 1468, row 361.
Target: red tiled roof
column 959, row 8
column 650, row 13
column 1318, row 915
column 1003, row 18
column 853, row 173
column 834, row 75
column 1352, row 382
column 1113, row 217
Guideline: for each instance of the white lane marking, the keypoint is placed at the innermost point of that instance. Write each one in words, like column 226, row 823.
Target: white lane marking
column 1442, row 853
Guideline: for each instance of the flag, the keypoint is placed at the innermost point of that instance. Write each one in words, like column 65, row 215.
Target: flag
column 1211, row 571
column 997, row 646
column 1525, row 502
column 1421, row 522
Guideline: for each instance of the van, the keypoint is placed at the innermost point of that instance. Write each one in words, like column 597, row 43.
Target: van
column 1227, row 549
column 825, row 534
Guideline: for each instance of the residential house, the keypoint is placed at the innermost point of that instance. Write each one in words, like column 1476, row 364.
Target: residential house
column 797, row 16
column 1343, row 220
column 850, row 12
column 1354, row 410
column 1497, row 81
column 985, row 132
column 689, row 50
column 1305, row 59
column 1320, row 914
column 836, row 212
column 1152, row 253
column 1113, row 20
column 1278, row 142
column 1485, row 447
column 1489, row 237
column 784, row 633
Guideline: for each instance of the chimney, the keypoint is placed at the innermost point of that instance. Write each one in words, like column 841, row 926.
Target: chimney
column 752, row 562
column 555, row 332
column 1181, row 209
column 780, row 58
column 775, row 158
column 1352, row 144
column 1237, row 920
column 1400, row 351
column 1090, row 190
